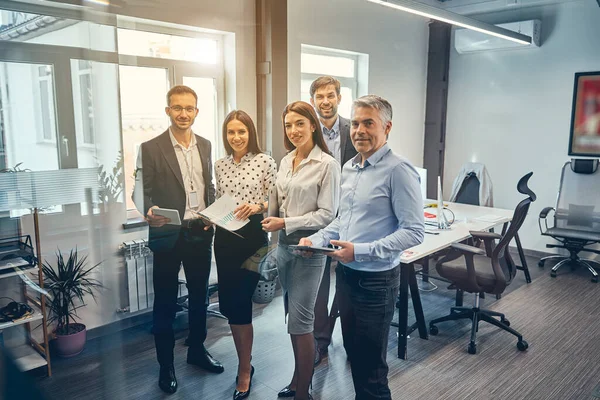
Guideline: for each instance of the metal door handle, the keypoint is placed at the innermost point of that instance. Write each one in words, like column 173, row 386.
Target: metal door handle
column 65, row 143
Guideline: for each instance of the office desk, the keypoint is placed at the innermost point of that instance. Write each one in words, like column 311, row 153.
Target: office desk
column 466, row 220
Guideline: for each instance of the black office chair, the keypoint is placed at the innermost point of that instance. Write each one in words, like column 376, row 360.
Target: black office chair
column 469, row 193
column 576, row 216
column 489, row 271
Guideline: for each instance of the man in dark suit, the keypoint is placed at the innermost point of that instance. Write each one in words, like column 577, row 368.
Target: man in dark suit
column 176, row 173
column 325, row 97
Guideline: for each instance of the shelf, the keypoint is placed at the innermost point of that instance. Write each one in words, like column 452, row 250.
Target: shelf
column 37, row 315
column 13, row 263
column 32, row 271
column 27, row 358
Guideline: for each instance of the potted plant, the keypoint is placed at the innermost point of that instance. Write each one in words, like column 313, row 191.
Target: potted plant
column 67, row 285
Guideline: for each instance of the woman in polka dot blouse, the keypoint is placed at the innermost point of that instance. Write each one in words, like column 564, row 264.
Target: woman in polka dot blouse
column 247, row 175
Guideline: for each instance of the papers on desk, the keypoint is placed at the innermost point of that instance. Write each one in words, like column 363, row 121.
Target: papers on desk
column 489, row 218
column 220, row 213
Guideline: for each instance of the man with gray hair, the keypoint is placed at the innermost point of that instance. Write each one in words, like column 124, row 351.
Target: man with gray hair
column 380, row 216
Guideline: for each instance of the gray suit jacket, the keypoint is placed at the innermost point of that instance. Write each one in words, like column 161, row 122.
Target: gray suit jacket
column 347, row 148
column 163, row 184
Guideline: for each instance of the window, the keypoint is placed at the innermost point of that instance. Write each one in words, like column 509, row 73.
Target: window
column 348, row 67
column 84, row 81
column 149, row 64
column 94, row 108
column 46, row 87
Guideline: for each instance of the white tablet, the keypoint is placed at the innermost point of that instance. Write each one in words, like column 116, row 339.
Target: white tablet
column 173, row 215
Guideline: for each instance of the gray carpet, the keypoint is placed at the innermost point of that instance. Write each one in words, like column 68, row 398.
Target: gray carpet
column 560, row 319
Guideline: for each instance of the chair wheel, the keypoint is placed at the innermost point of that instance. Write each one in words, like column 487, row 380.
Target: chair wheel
column 522, row 345
column 541, row 263
column 433, row 330
column 472, row 349
column 595, row 279
column 553, row 274
column 505, row 322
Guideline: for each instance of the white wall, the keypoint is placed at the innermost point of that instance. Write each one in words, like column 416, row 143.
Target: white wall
column 511, row 110
column 396, row 43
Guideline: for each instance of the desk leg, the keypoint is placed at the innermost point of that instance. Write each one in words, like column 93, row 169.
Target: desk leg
column 524, row 267
column 416, row 299
column 403, row 310
column 425, row 269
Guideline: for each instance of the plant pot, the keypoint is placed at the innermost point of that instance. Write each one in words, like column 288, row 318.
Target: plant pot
column 70, row 345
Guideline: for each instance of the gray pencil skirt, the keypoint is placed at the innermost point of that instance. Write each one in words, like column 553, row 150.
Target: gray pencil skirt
column 300, row 278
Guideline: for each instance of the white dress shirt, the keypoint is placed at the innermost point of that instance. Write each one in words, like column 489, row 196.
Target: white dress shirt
column 248, row 181
column 307, row 198
column 333, row 139
column 190, row 166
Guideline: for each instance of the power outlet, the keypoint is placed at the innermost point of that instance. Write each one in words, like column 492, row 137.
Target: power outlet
column 511, row 3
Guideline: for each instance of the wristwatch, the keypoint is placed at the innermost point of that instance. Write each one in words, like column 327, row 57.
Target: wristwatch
column 262, row 208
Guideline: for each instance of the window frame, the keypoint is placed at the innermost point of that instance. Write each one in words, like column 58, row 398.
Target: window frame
column 352, row 83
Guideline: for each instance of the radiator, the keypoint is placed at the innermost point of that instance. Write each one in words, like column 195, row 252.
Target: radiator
column 138, row 259
column 140, row 289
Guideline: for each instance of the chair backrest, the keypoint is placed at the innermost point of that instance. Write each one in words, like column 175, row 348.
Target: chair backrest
column 504, row 267
column 469, row 190
column 578, row 203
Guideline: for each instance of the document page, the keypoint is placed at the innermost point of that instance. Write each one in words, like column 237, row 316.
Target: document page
column 220, row 213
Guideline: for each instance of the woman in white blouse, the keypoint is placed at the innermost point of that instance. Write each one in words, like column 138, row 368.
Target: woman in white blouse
column 247, row 175
column 305, row 199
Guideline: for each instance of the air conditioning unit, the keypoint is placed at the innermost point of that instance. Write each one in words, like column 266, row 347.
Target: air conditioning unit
column 469, row 41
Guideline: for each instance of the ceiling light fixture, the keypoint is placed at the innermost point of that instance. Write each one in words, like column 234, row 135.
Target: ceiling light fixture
column 438, row 14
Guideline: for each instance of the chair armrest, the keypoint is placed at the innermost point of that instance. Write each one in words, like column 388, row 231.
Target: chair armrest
column 465, row 248
column 488, row 240
column 545, row 211
column 485, row 235
column 543, row 214
column 456, row 251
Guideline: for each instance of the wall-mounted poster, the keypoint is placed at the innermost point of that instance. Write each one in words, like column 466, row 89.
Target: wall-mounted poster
column 585, row 115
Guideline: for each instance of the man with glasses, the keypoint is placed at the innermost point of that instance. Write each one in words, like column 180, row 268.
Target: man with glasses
column 325, row 97
column 176, row 173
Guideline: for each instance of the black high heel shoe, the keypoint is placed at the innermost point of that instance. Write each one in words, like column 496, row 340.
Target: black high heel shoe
column 237, row 395
column 286, row 392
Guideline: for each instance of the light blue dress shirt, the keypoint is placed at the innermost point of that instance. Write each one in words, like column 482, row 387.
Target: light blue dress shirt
column 333, row 139
column 381, row 211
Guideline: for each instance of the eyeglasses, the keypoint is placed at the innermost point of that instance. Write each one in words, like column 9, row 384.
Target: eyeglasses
column 179, row 109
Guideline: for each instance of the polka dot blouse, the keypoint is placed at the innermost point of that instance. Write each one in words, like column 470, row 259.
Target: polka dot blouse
column 248, row 181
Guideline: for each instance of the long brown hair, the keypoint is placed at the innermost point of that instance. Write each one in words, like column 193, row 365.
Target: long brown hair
column 307, row 111
column 245, row 119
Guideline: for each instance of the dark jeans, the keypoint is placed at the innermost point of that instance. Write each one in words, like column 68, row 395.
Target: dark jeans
column 367, row 303
column 193, row 249
column 323, row 326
